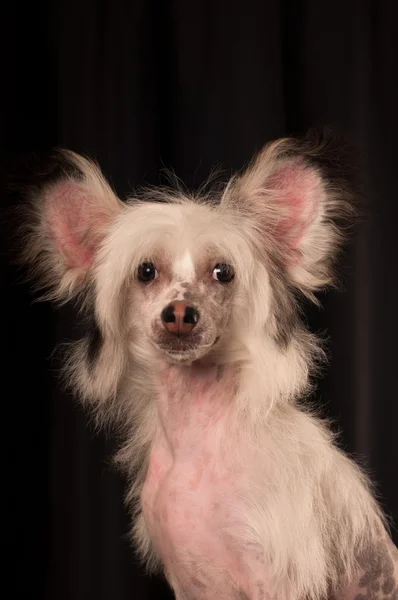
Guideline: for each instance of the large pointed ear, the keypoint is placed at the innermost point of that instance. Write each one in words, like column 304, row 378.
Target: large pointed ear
column 67, row 214
column 297, row 196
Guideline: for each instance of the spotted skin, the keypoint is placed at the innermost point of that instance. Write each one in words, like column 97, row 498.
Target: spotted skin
column 378, row 579
column 378, row 576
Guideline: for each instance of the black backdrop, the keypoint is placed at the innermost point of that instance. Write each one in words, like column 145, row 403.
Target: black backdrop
column 139, row 85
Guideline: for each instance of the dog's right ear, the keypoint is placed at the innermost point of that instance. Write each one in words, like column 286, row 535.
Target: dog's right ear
column 300, row 201
column 67, row 215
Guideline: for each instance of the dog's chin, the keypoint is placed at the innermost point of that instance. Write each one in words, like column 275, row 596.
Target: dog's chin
column 185, row 356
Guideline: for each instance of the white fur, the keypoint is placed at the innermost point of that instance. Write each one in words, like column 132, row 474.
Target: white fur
column 184, row 267
column 308, row 506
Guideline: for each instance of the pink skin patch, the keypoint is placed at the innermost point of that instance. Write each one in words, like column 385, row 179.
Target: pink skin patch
column 299, row 193
column 74, row 220
column 194, row 485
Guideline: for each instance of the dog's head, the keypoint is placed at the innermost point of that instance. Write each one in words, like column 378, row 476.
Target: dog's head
column 188, row 277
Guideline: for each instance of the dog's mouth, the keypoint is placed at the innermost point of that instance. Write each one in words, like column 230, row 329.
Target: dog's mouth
column 180, row 350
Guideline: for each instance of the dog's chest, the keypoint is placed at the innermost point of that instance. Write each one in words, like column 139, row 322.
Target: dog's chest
column 193, row 497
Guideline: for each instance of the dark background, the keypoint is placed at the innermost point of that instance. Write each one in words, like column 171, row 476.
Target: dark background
column 140, row 85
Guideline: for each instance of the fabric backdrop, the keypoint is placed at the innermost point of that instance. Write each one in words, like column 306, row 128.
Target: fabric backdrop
column 141, row 85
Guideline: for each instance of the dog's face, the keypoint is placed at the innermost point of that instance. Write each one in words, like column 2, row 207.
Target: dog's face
column 186, row 276
column 189, row 277
column 183, row 300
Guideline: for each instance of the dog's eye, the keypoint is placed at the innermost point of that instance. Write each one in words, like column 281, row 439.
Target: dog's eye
column 223, row 273
column 147, row 272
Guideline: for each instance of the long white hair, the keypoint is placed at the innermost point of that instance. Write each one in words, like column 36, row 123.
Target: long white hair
column 279, row 224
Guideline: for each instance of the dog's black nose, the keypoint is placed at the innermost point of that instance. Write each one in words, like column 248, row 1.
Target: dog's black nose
column 179, row 318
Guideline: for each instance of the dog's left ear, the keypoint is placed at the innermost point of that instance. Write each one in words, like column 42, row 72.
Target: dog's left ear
column 68, row 212
column 297, row 199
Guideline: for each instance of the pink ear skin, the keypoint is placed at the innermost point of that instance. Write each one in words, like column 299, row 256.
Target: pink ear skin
column 295, row 198
column 75, row 223
column 298, row 192
column 68, row 213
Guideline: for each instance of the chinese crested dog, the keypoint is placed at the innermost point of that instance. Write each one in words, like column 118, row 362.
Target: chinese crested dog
column 195, row 351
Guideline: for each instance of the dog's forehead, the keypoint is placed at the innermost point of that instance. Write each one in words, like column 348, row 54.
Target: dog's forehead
column 187, row 281
column 183, row 266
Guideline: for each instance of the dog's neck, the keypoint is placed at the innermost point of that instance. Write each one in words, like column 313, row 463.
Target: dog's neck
column 199, row 377
column 194, row 402
column 263, row 375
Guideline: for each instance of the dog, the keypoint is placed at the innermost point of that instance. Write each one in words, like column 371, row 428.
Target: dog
column 197, row 354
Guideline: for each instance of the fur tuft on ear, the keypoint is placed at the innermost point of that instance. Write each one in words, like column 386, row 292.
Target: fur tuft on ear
column 297, row 195
column 69, row 210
